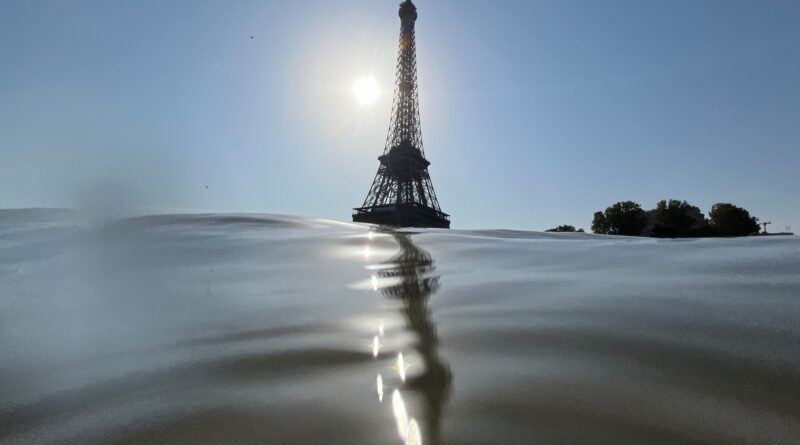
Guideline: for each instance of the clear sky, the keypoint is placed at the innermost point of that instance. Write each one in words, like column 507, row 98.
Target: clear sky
column 534, row 113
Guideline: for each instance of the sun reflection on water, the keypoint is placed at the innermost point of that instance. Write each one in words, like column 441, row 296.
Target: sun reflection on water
column 413, row 435
column 376, row 346
column 409, row 278
column 400, row 413
column 401, row 366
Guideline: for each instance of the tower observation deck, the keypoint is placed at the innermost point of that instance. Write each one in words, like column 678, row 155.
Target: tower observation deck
column 402, row 192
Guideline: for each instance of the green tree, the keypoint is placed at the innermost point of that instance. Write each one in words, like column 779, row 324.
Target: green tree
column 675, row 218
column 622, row 218
column 729, row 220
column 599, row 223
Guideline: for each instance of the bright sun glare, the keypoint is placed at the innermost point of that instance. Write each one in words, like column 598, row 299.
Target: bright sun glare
column 366, row 90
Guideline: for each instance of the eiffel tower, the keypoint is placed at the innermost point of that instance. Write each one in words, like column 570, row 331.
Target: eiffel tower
column 402, row 193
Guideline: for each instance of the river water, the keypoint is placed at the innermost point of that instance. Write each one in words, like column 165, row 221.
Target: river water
column 285, row 330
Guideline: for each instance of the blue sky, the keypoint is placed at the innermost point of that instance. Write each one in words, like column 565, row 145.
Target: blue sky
column 534, row 113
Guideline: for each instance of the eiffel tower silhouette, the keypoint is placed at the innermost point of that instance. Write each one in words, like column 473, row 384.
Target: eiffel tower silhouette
column 402, row 193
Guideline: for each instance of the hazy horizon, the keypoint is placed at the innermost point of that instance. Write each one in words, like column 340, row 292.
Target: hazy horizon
column 534, row 114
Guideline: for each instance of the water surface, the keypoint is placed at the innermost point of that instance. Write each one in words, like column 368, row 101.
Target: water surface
column 283, row 330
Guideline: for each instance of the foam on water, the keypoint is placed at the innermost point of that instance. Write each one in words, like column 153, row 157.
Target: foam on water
column 272, row 329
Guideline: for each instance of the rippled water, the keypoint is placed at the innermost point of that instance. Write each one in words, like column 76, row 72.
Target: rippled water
column 284, row 330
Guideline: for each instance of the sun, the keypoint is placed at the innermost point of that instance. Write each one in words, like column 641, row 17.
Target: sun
column 366, row 90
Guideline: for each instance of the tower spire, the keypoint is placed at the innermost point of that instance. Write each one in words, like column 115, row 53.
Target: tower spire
column 402, row 193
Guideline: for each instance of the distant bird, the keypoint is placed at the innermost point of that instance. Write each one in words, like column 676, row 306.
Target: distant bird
column 251, row 37
column 206, row 186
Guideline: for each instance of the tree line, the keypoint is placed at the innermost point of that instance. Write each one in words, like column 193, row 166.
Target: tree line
column 674, row 219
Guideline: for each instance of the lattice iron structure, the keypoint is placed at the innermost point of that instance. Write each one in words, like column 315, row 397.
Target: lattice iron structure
column 402, row 193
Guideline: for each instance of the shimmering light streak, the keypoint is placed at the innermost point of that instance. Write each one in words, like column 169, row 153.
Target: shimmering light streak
column 413, row 435
column 367, row 253
column 401, row 366
column 376, row 346
column 380, row 388
column 380, row 329
column 400, row 414
column 375, row 284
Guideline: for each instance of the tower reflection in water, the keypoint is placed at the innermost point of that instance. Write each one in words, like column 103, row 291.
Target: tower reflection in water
column 411, row 280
